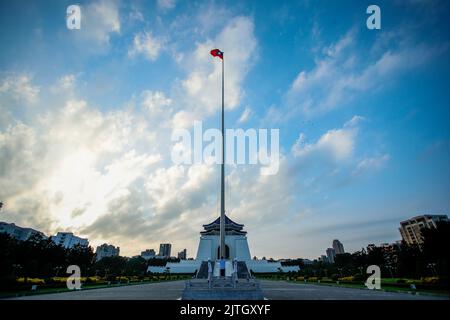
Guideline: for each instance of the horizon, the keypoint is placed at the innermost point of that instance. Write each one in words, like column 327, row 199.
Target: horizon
column 193, row 256
column 86, row 118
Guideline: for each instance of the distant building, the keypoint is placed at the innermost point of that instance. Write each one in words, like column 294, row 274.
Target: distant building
column 323, row 258
column 106, row 250
column 17, row 232
column 338, row 247
column 411, row 229
column 331, row 253
column 69, row 240
column 165, row 249
column 307, row 262
column 148, row 254
column 182, row 254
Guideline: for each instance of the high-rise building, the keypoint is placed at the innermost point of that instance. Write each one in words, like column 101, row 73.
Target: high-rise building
column 331, row 253
column 338, row 247
column 106, row 250
column 164, row 250
column 182, row 254
column 17, row 232
column 148, row 254
column 411, row 229
column 69, row 240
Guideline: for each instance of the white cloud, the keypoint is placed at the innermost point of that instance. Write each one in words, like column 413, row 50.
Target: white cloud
column 146, row 44
column 86, row 157
column 166, row 4
column 354, row 121
column 122, row 183
column 200, row 91
column 372, row 163
column 98, row 174
column 136, row 15
column 65, row 84
column 154, row 101
column 100, row 20
column 20, row 88
column 343, row 71
column 337, row 144
column 183, row 119
column 245, row 115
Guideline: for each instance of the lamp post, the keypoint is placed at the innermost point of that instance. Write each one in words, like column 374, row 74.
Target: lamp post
column 57, row 270
column 360, row 270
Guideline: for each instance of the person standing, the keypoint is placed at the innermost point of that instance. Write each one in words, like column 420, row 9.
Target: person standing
column 210, row 271
column 222, row 267
column 235, row 274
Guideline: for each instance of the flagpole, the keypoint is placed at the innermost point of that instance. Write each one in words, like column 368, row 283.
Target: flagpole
column 222, row 187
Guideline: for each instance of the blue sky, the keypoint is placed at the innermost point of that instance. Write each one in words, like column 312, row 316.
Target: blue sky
column 86, row 118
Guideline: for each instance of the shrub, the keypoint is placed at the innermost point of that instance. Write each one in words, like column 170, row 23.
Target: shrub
column 431, row 280
column 30, row 280
column 56, row 280
column 414, row 281
column 347, row 279
column 122, row 278
column 95, row 279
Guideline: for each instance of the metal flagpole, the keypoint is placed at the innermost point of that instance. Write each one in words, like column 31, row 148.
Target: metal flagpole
column 222, row 187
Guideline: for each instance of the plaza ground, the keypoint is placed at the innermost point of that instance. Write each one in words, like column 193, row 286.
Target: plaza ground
column 273, row 290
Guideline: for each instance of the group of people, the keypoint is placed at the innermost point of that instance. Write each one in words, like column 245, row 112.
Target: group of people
column 222, row 270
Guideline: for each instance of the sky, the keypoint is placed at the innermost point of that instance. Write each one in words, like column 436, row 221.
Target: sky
column 86, row 118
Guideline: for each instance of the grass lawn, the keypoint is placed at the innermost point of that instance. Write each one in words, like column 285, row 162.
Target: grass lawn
column 384, row 287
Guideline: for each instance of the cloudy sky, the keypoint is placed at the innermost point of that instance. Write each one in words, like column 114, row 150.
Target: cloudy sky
column 86, row 118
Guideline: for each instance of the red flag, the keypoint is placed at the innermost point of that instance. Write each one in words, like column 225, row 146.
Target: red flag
column 217, row 53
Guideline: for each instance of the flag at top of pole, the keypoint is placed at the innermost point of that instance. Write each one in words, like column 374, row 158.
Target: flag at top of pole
column 217, row 53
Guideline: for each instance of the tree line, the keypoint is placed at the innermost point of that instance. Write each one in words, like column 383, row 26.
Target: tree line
column 40, row 257
column 430, row 259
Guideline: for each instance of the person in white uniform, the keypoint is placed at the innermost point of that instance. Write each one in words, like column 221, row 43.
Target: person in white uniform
column 210, row 272
column 235, row 274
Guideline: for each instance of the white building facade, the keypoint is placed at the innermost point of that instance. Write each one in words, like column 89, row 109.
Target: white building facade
column 69, row 240
column 19, row 233
column 106, row 250
column 338, row 247
column 148, row 254
column 236, row 247
column 410, row 229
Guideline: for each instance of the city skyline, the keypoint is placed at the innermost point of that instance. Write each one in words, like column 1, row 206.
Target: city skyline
column 336, row 246
column 86, row 117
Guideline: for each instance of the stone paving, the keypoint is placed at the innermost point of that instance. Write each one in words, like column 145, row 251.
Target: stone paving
column 272, row 290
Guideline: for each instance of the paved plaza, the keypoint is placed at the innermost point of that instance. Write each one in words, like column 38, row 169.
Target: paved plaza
column 273, row 290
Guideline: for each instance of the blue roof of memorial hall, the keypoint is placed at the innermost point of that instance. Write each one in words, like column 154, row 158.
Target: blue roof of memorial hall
column 231, row 227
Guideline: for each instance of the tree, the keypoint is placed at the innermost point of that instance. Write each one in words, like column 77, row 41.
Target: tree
column 111, row 265
column 409, row 257
column 375, row 256
column 436, row 243
column 136, row 266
